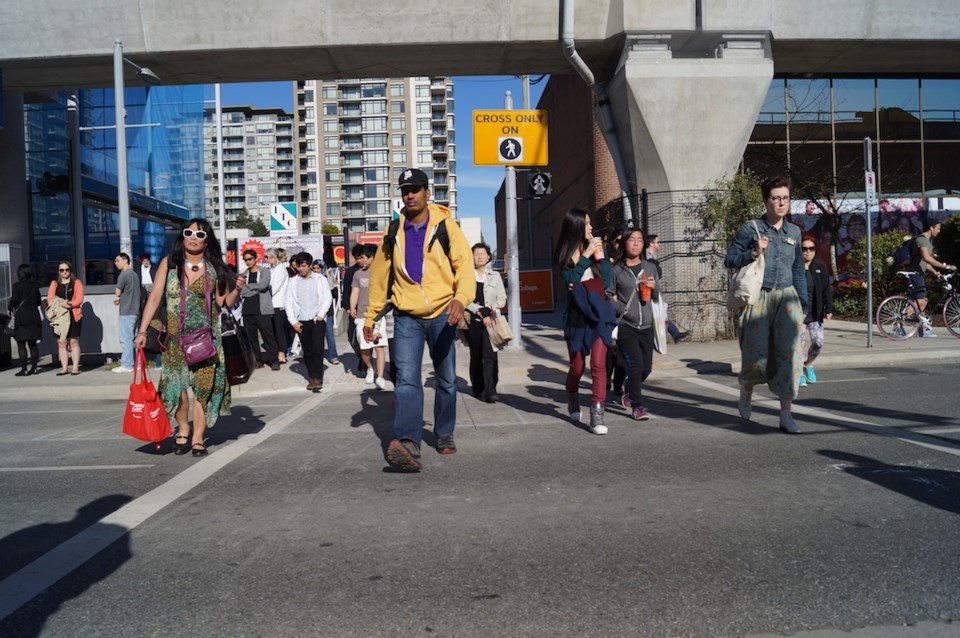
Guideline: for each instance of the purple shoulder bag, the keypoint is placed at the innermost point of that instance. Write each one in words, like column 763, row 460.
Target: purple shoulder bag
column 198, row 345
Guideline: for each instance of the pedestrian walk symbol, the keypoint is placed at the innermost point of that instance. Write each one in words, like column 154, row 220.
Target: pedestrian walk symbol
column 511, row 149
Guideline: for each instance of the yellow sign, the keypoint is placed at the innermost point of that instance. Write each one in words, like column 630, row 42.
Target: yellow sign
column 510, row 138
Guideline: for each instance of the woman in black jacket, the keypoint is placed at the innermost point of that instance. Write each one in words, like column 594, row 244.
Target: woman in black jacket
column 821, row 307
column 24, row 307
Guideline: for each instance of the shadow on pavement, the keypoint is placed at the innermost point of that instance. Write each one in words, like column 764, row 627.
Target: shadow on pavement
column 26, row 545
column 936, row 488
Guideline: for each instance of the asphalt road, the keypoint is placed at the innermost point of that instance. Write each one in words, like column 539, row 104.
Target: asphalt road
column 691, row 524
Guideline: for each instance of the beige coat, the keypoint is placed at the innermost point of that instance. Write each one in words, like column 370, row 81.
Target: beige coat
column 59, row 317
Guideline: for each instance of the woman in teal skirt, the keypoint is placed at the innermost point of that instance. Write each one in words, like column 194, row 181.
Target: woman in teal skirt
column 770, row 328
column 195, row 264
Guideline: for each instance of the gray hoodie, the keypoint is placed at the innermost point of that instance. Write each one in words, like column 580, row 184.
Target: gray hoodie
column 625, row 282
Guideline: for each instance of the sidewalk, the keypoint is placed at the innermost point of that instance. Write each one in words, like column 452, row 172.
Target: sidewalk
column 543, row 358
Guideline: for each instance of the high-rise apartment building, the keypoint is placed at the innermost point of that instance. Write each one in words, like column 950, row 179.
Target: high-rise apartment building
column 355, row 136
column 258, row 160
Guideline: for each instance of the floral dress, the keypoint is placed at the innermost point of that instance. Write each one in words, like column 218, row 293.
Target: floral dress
column 208, row 382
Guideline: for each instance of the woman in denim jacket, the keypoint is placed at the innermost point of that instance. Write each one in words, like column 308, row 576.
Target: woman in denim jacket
column 770, row 328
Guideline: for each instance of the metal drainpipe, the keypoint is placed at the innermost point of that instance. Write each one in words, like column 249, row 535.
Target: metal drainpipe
column 603, row 101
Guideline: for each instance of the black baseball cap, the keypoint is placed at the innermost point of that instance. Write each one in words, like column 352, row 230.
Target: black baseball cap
column 413, row 177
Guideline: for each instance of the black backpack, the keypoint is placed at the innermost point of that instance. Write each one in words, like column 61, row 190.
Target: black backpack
column 390, row 242
column 903, row 255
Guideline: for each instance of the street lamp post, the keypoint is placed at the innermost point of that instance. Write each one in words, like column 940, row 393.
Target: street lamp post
column 120, row 113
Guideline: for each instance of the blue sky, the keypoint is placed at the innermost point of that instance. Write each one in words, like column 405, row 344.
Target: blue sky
column 476, row 185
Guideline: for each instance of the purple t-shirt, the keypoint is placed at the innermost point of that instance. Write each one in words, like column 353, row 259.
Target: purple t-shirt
column 414, row 237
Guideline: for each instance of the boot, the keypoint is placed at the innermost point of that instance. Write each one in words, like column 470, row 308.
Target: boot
column 596, row 418
column 573, row 406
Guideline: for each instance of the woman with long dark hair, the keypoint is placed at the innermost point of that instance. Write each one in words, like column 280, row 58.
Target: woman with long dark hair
column 195, row 268
column 588, row 320
column 820, row 308
column 24, row 307
column 67, row 291
column 635, row 281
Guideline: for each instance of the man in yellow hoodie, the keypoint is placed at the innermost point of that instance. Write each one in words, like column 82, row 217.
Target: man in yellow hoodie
column 429, row 292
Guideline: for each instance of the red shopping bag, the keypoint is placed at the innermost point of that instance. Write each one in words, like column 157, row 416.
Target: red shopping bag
column 145, row 418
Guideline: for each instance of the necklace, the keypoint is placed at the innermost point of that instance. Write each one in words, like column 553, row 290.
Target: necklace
column 195, row 267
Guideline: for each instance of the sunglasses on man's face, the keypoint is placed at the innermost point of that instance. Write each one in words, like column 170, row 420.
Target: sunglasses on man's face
column 199, row 234
column 809, row 249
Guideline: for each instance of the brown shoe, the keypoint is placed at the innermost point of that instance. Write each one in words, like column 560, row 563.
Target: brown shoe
column 404, row 455
column 312, row 385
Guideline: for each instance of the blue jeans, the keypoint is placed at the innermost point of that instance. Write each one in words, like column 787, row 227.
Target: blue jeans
column 331, row 341
column 127, row 327
column 409, row 335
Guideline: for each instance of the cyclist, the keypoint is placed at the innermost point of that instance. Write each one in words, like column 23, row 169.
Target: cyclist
column 921, row 262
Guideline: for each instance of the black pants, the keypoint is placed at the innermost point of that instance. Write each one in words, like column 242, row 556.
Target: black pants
column 312, row 336
column 280, row 328
column 484, row 366
column 616, row 369
column 637, row 348
column 264, row 325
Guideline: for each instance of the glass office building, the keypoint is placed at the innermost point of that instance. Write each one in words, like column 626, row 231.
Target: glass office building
column 815, row 128
column 165, row 170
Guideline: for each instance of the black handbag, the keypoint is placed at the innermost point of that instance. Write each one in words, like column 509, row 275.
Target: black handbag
column 237, row 351
column 158, row 339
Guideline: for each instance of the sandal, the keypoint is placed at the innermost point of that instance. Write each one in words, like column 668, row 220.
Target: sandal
column 63, row 373
column 181, row 448
column 199, row 451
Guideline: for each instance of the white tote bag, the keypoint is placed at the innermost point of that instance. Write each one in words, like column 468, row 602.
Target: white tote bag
column 745, row 284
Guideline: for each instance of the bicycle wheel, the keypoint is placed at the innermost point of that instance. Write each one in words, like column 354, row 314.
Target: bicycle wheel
column 951, row 315
column 897, row 318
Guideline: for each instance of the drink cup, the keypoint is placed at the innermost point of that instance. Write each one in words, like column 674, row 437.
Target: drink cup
column 598, row 253
column 645, row 293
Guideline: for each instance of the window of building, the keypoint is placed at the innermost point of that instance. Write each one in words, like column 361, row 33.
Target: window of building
column 379, row 207
column 330, row 141
column 330, row 92
column 423, row 140
column 423, row 107
column 308, row 96
column 376, row 190
column 329, row 108
column 398, row 106
column 424, row 157
column 396, row 90
column 329, row 126
column 373, row 107
column 310, row 112
column 398, row 123
column 374, row 90
column 423, row 91
column 333, row 192
column 331, row 159
column 374, row 124
column 311, row 145
column 399, row 158
column 374, row 157
column 331, row 176
column 312, row 194
column 333, row 209
column 423, row 124
column 398, row 139
column 378, row 174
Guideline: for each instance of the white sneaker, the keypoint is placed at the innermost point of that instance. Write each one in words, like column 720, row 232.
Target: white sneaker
column 370, row 375
column 122, row 370
column 380, row 383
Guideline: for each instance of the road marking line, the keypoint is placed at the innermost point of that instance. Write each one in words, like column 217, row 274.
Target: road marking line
column 911, row 437
column 72, row 468
column 942, row 430
column 22, row 586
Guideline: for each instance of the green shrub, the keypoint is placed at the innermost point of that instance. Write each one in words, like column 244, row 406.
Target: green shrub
column 885, row 280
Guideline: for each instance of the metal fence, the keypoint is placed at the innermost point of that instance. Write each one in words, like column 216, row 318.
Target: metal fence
column 694, row 279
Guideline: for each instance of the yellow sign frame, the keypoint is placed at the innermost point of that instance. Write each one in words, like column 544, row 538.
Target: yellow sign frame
column 493, row 132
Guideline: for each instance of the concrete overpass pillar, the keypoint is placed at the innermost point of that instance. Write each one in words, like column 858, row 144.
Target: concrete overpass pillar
column 683, row 121
column 14, row 216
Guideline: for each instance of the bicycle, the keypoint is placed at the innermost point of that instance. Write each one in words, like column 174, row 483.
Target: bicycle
column 898, row 316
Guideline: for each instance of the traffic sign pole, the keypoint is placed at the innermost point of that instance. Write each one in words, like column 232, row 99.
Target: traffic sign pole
column 513, row 252
column 870, row 191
